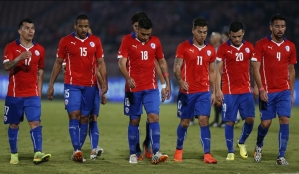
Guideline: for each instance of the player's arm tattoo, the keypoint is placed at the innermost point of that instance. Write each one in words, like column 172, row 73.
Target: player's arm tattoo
column 10, row 65
column 177, row 68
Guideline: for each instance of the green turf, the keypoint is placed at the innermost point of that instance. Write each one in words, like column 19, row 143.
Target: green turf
column 113, row 138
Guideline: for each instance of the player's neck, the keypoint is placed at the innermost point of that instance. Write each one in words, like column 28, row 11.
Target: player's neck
column 198, row 44
column 26, row 43
column 275, row 39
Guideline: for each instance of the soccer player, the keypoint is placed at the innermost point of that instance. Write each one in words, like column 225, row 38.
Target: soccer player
column 93, row 129
column 82, row 51
column 137, row 55
column 215, row 40
column 274, row 75
column 233, row 87
column 165, row 89
column 24, row 59
column 194, row 71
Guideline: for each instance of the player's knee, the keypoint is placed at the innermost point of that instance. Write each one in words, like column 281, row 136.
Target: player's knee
column 152, row 118
column 75, row 115
column 93, row 118
column 230, row 123
column 249, row 120
column 34, row 124
column 14, row 126
column 203, row 120
column 84, row 119
column 283, row 120
column 134, row 122
column 266, row 123
column 185, row 123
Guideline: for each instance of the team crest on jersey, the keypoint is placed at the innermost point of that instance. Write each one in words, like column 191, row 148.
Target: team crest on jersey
column 36, row 52
column 92, row 44
column 127, row 102
column 209, row 53
column 66, row 101
column 5, row 118
column 127, row 110
column 153, row 45
column 287, row 48
column 247, row 50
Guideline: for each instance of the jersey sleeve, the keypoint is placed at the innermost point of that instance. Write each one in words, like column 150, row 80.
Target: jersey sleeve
column 159, row 52
column 8, row 55
column 293, row 56
column 41, row 63
column 213, row 55
column 61, row 51
column 258, row 52
column 251, row 48
column 180, row 52
column 123, row 51
column 100, row 51
column 220, row 53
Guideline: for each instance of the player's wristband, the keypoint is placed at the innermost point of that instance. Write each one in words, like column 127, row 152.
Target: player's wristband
column 261, row 89
column 166, row 74
column 163, row 85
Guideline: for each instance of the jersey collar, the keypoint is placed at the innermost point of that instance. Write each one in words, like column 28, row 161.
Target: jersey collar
column 133, row 34
column 270, row 38
column 191, row 42
column 18, row 42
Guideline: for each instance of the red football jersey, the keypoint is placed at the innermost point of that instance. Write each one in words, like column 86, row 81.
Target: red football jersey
column 141, row 60
column 275, row 59
column 196, row 65
column 80, row 57
column 23, row 77
column 236, row 67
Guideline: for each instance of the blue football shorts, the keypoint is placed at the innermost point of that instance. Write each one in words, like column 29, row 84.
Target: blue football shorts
column 79, row 98
column 190, row 105
column 96, row 103
column 15, row 107
column 133, row 102
column 232, row 103
column 278, row 103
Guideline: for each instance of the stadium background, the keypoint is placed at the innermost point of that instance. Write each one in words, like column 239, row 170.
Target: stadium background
column 110, row 20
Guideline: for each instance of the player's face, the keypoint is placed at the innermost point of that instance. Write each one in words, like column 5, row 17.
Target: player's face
column 82, row 28
column 135, row 27
column 27, row 31
column 236, row 37
column 143, row 34
column 200, row 34
column 278, row 28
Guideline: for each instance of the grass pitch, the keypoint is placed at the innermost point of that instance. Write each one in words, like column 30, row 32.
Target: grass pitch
column 113, row 138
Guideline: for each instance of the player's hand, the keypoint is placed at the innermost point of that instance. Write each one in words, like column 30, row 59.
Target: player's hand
column 219, row 96
column 104, row 88
column 292, row 100
column 184, row 85
column 212, row 98
column 163, row 94
column 255, row 92
column 131, row 83
column 25, row 55
column 104, row 99
column 168, row 92
column 264, row 96
column 50, row 93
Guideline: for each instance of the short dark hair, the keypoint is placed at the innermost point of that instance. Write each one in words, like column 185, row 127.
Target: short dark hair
column 277, row 16
column 137, row 16
column 81, row 17
column 145, row 23
column 200, row 21
column 235, row 26
column 25, row 20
